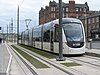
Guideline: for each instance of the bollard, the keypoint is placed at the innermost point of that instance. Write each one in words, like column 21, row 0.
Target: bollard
column 90, row 40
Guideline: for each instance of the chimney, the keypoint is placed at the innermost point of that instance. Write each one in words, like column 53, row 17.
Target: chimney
column 71, row 8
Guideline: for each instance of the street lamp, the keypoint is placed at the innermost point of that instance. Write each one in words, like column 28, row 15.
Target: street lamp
column 7, row 32
column 18, row 25
column 18, row 21
column 60, row 57
column 27, row 22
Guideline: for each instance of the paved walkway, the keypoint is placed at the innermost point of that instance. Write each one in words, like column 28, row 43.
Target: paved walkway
column 96, row 51
column 17, row 66
column 93, row 45
column 4, row 58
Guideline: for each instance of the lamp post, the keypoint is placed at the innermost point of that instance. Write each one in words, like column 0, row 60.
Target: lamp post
column 27, row 22
column 7, row 32
column 60, row 57
column 18, row 25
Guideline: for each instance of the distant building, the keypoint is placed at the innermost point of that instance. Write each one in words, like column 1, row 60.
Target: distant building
column 70, row 9
column 92, row 25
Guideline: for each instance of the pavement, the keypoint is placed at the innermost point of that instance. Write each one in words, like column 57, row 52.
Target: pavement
column 93, row 47
column 4, row 59
column 96, row 51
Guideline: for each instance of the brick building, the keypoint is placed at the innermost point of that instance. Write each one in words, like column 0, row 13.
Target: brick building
column 70, row 9
column 92, row 25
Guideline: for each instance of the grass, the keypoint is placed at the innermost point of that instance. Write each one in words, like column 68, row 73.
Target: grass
column 42, row 53
column 33, row 61
column 71, row 64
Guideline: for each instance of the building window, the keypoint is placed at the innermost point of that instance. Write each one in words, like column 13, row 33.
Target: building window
column 66, row 9
column 53, row 8
column 84, row 9
column 93, row 20
column 93, row 26
column 97, row 19
column 66, row 15
column 97, row 26
column 63, row 9
column 76, row 9
column 80, row 9
column 53, row 15
column 77, row 16
column 85, row 14
column 89, row 21
column 85, row 21
column 63, row 15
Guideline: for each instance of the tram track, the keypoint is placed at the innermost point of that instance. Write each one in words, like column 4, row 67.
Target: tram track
column 56, row 66
column 28, row 66
column 69, row 73
column 92, row 65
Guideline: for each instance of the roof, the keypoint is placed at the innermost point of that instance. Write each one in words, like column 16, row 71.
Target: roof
column 52, row 3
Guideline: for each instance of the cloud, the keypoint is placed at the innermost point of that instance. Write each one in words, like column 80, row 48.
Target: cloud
column 30, row 9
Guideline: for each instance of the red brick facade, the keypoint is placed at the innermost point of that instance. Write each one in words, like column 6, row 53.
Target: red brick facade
column 70, row 9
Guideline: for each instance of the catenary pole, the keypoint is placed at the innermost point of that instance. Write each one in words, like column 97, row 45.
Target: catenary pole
column 60, row 57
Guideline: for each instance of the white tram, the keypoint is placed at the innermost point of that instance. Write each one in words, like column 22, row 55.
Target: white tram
column 45, row 37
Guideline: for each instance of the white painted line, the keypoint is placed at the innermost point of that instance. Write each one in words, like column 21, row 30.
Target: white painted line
column 10, row 60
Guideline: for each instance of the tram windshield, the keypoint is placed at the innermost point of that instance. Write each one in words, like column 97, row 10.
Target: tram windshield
column 73, row 31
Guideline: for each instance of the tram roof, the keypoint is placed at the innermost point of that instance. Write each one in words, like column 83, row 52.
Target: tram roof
column 64, row 20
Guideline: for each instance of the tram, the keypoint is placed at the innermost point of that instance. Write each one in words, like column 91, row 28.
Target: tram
column 46, row 36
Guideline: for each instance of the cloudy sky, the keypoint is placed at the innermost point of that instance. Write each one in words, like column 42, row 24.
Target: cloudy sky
column 29, row 10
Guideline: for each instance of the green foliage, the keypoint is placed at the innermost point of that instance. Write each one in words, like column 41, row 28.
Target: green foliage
column 45, row 54
column 71, row 64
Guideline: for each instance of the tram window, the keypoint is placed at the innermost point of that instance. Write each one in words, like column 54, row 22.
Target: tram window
column 26, row 36
column 46, row 37
column 56, row 35
column 37, row 35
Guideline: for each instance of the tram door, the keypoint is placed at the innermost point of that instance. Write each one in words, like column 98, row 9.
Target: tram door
column 51, row 41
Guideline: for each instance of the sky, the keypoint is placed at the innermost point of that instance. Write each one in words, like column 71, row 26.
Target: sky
column 29, row 9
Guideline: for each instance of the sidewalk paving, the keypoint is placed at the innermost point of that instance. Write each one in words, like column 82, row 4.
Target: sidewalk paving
column 4, row 58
